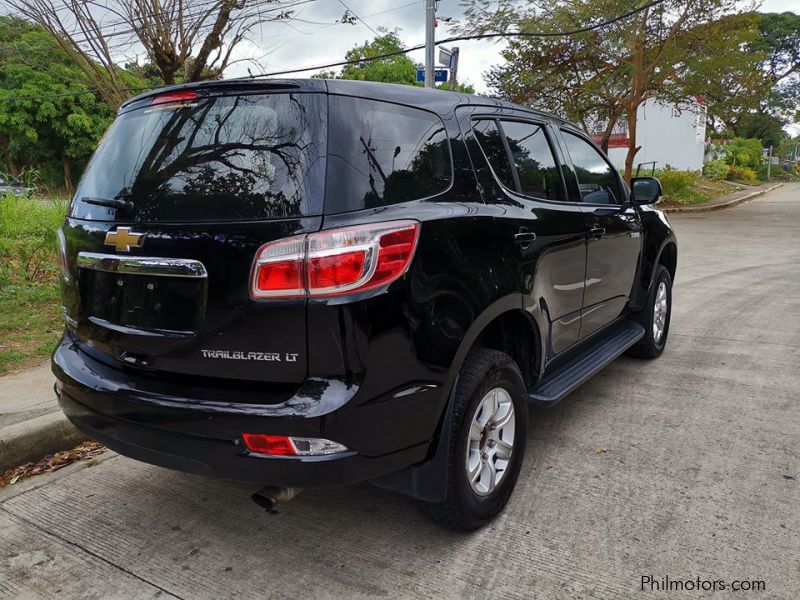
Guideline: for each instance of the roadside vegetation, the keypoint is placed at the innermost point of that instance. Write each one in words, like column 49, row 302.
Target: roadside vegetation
column 729, row 166
column 689, row 187
column 30, row 319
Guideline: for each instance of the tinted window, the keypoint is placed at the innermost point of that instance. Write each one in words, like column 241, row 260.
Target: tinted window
column 597, row 181
column 533, row 159
column 217, row 158
column 381, row 153
column 492, row 145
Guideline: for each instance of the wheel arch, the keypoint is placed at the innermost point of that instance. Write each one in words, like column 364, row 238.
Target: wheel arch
column 669, row 258
column 496, row 325
column 661, row 247
column 498, row 328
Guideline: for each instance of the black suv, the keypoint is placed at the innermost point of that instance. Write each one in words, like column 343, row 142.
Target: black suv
column 309, row 283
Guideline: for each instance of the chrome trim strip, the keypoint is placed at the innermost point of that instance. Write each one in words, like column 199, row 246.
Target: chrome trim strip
column 128, row 330
column 142, row 265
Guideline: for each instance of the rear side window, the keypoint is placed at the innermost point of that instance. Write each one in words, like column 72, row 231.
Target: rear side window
column 381, row 154
column 536, row 168
column 218, row 158
column 491, row 142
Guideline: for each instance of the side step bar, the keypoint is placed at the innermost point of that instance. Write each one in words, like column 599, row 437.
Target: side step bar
column 560, row 383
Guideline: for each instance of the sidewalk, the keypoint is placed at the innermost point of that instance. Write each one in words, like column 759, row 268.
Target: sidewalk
column 726, row 200
column 31, row 423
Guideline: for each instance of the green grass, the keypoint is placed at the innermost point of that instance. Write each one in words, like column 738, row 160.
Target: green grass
column 30, row 309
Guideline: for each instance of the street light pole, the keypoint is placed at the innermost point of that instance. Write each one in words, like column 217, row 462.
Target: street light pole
column 430, row 34
column 454, row 69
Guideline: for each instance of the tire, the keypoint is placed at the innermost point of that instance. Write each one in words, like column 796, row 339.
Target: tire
column 469, row 506
column 652, row 344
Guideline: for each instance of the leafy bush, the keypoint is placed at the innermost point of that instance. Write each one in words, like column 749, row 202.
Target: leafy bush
column 743, row 174
column 744, row 152
column 717, row 151
column 715, row 169
column 677, row 183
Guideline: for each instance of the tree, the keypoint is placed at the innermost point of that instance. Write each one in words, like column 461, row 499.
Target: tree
column 183, row 40
column 47, row 118
column 761, row 126
column 766, row 89
column 392, row 69
column 602, row 76
column 779, row 44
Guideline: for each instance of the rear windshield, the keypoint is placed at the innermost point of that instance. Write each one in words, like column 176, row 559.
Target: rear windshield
column 220, row 158
column 381, row 153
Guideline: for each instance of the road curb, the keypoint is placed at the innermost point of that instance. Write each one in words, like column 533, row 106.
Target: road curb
column 728, row 204
column 32, row 439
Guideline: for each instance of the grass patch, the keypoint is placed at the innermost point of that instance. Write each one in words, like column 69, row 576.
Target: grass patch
column 30, row 309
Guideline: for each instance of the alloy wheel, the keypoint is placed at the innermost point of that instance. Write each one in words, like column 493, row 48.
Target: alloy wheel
column 660, row 312
column 491, row 441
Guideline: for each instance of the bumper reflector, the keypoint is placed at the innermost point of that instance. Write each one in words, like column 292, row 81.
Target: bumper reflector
column 280, row 445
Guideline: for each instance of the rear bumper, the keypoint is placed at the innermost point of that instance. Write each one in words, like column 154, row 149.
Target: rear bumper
column 220, row 458
column 204, row 437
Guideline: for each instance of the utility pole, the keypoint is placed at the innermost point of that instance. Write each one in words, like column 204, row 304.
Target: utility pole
column 430, row 35
column 769, row 163
column 453, row 69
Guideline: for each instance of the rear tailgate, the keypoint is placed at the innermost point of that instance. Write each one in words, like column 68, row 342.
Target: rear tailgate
column 166, row 223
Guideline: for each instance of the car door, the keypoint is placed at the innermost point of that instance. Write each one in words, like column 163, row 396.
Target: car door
column 544, row 235
column 614, row 232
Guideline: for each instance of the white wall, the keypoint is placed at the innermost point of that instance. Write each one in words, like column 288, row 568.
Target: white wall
column 669, row 135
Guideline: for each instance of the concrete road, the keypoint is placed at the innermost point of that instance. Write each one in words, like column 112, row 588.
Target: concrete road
column 698, row 477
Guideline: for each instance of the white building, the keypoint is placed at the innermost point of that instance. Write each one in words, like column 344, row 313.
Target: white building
column 671, row 135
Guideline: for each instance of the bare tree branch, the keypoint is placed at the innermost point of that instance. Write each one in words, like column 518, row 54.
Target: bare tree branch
column 186, row 41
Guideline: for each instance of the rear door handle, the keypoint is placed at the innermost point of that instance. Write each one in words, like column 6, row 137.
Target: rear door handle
column 524, row 238
column 597, row 232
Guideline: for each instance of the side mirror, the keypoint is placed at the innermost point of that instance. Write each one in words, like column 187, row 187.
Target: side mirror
column 645, row 190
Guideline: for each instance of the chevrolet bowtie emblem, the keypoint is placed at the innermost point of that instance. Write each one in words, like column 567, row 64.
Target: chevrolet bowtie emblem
column 123, row 239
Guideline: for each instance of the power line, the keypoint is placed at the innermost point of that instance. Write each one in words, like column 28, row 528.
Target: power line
column 352, row 12
column 462, row 38
column 388, row 10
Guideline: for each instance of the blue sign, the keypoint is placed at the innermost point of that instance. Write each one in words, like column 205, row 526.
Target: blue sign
column 440, row 75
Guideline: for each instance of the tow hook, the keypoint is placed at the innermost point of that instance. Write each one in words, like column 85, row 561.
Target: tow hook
column 272, row 495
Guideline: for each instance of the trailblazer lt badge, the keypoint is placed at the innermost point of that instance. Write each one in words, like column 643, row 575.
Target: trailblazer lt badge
column 242, row 355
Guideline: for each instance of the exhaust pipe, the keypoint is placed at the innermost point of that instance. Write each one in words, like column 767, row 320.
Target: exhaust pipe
column 272, row 495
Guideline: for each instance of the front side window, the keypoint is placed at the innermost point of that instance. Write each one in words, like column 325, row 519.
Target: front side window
column 533, row 159
column 381, row 154
column 597, row 180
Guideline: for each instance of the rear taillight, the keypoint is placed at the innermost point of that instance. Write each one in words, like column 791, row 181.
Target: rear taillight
column 334, row 262
column 280, row 269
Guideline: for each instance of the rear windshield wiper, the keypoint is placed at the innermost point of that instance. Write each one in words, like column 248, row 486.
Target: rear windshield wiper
column 110, row 202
